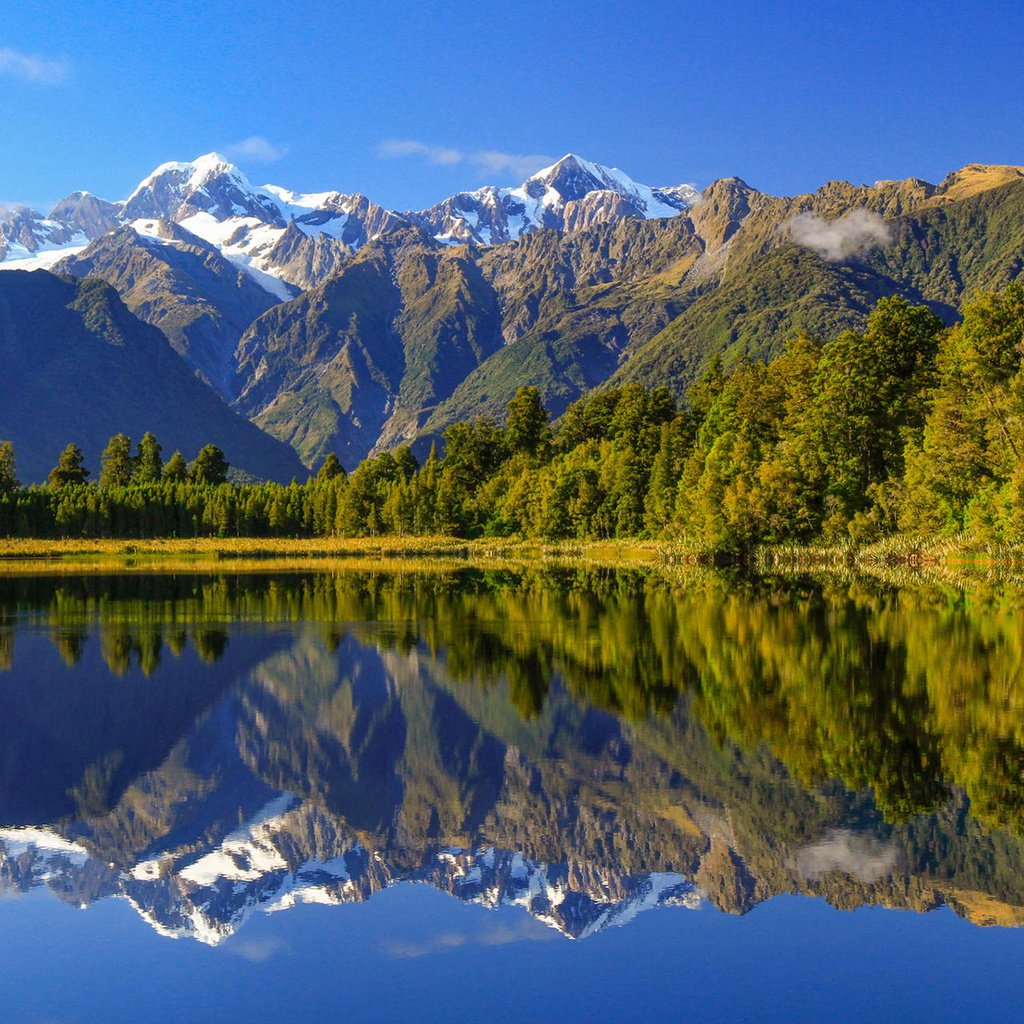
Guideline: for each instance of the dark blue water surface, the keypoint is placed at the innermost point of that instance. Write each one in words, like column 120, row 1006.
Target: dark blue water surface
column 518, row 796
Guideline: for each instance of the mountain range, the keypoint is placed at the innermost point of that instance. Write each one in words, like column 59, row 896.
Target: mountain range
column 336, row 325
column 206, row 770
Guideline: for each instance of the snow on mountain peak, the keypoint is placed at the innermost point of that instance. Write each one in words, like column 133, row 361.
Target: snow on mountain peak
column 211, row 198
column 492, row 215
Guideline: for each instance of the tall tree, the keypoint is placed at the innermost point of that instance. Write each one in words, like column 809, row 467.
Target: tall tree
column 69, row 468
column 116, row 461
column 331, row 468
column 8, row 470
column 148, row 462
column 176, row 469
column 527, row 427
column 209, row 466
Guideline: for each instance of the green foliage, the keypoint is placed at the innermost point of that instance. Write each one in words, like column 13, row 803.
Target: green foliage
column 176, row 469
column 149, row 464
column 117, row 464
column 331, row 468
column 69, row 468
column 8, row 468
column 209, row 466
column 964, row 472
column 906, row 425
column 526, row 429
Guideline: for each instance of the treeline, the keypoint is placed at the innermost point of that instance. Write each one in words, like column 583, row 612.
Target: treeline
column 899, row 691
column 906, row 426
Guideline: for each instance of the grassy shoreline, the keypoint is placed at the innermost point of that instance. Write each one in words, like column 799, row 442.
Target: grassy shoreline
column 264, row 555
column 241, row 554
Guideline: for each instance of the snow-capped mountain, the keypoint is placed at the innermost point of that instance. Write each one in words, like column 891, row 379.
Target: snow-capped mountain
column 28, row 240
column 286, row 240
column 260, row 868
column 570, row 194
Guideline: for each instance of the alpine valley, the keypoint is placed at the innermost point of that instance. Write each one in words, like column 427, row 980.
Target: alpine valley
column 285, row 326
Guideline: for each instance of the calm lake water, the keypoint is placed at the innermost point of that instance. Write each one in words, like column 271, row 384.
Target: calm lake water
column 510, row 796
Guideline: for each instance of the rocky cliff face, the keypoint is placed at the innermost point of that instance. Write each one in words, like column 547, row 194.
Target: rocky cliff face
column 173, row 280
column 338, row 325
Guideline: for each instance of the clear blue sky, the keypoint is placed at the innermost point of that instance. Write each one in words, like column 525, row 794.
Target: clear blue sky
column 785, row 95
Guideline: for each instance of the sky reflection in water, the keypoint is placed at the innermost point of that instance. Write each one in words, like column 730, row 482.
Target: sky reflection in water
column 562, row 753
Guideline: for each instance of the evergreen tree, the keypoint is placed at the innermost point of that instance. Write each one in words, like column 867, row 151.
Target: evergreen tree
column 526, row 429
column 405, row 462
column 176, row 469
column 116, row 462
column 69, row 468
column 209, row 466
column 148, row 462
column 331, row 468
column 8, row 470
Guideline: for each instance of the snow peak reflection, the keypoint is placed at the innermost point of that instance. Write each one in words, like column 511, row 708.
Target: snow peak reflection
column 584, row 745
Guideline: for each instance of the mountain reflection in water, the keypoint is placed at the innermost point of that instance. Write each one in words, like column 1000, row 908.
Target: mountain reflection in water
column 583, row 744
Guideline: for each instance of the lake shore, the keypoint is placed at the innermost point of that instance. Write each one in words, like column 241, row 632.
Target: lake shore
column 241, row 554
column 929, row 556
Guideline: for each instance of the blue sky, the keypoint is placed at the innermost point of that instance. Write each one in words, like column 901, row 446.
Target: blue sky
column 408, row 102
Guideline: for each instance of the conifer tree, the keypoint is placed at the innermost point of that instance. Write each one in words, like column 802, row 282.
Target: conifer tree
column 117, row 464
column 527, row 427
column 148, row 462
column 8, row 471
column 176, row 469
column 331, row 468
column 69, row 468
column 209, row 466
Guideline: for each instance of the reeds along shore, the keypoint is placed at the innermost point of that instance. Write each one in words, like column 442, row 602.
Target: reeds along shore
column 897, row 561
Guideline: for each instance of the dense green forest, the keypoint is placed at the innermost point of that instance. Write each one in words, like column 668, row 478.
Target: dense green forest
column 907, row 426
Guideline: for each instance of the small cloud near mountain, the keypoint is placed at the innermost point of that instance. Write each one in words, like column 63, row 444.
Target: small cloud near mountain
column 396, row 149
column 30, row 67
column 257, row 148
column 485, row 160
column 854, row 233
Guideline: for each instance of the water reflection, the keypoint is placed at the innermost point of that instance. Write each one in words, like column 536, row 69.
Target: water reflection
column 585, row 745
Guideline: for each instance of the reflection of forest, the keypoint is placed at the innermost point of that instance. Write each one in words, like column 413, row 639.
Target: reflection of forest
column 611, row 721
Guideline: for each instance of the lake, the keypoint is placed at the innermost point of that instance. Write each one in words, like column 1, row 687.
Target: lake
column 538, row 794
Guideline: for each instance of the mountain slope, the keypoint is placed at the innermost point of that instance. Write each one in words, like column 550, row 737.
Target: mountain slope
column 181, row 284
column 278, row 235
column 80, row 367
column 358, row 361
column 578, row 278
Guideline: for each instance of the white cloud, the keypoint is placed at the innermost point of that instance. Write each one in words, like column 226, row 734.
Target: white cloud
column 864, row 857
column 526, row 929
column 258, row 951
column 522, row 166
column 394, row 149
column 488, row 161
column 256, row 148
column 853, row 233
column 32, row 68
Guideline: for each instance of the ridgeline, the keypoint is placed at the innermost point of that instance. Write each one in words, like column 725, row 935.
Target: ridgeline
column 907, row 428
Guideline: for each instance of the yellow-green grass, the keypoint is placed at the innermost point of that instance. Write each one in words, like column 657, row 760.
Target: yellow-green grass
column 247, row 554
column 30, row 556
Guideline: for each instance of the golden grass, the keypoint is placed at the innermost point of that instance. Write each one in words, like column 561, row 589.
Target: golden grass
column 947, row 559
column 27, row 556
column 977, row 178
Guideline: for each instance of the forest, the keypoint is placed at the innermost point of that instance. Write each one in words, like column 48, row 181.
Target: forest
column 905, row 427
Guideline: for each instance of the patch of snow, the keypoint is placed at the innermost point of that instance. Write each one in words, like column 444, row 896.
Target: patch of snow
column 248, row 853
column 20, row 840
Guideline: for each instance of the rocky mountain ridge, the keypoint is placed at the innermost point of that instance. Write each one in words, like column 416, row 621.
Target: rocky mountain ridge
column 287, row 240
column 338, row 326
